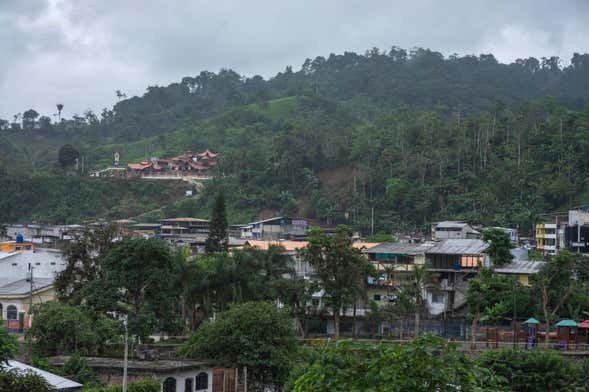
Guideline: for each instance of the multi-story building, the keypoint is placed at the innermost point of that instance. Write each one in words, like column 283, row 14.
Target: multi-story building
column 274, row 229
column 577, row 230
column 453, row 230
column 563, row 230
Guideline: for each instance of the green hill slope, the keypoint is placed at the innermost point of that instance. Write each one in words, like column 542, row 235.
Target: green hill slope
column 416, row 136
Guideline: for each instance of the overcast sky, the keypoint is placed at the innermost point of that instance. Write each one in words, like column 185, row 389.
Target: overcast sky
column 79, row 52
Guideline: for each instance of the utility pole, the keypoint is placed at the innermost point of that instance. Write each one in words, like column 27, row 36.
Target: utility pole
column 125, row 358
column 514, row 287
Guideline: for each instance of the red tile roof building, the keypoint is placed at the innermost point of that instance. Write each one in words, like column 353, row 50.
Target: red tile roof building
column 185, row 164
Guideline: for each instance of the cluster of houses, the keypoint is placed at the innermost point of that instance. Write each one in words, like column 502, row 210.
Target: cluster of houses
column 453, row 253
column 185, row 166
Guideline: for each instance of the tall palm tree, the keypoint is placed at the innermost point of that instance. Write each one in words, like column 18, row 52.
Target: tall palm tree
column 59, row 109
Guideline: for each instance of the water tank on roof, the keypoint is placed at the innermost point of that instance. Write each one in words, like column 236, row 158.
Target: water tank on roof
column 19, row 238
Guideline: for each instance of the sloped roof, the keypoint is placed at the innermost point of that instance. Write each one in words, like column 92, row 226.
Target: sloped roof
column 523, row 267
column 459, row 247
column 400, row 248
column 567, row 323
column 21, row 287
column 584, row 324
column 451, row 224
column 364, row 245
column 185, row 219
column 54, row 380
column 265, row 220
column 138, row 166
column 208, row 153
column 531, row 320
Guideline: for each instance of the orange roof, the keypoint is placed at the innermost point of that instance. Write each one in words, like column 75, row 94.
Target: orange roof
column 364, row 245
column 288, row 245
column 139, row 166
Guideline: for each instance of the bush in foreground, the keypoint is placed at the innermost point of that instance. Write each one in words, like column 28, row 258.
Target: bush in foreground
column 145, row 385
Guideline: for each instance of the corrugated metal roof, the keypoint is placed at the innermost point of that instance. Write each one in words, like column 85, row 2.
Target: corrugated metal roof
column 459, row 247
column 400, row 248
column 24, row 287
column 451, row 224
column 54, row 380
column 522, row 267
column 266, row 220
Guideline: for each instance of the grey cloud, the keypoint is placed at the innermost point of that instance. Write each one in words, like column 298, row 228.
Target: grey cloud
column 80, row 52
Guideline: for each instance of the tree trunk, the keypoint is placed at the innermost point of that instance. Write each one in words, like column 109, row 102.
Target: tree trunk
column 473, row 330
column 336, row 322
column 300, row 326
column 416, row 324
column 354, row 322
column 546, row 315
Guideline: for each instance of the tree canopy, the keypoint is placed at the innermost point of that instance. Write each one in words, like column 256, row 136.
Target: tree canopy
column 427, row 363
column 256, row 335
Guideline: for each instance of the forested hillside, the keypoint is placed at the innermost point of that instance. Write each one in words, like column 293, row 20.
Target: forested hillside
column 416, row 136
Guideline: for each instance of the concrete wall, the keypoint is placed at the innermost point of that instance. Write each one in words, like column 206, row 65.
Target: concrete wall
column 46, row 264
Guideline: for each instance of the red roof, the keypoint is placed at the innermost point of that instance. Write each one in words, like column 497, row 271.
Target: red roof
column 196, row 166
column 584, row 324
column 207, row 153
column 139, row 166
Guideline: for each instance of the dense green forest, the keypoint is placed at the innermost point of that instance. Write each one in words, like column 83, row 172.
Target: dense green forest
column 415, row 135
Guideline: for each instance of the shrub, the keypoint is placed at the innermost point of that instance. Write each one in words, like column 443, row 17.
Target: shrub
column 531, row 370
column 145, row 385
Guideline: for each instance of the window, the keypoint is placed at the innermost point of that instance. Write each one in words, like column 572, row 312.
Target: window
column 376, row 297
column 201, row 381
column 188, row 385
column 169, row 385
column 11, row 313
column 437, row 298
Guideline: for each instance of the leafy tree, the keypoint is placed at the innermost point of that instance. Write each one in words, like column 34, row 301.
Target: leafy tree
column 341, row 269
column 67, row 155
column 499, row 246
column 78, row 369
column 138, row 280
column 218, row 238
column 28, row 119
column 83, row 257
column 16, row 381
column 532, row 370
column 488, row 298
column 255, row 335
column 8, row 345
column 427, row 363
column 554, row 285
column 86, row 335
column 144, row 385
column 244, row 275
column 414, row 289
